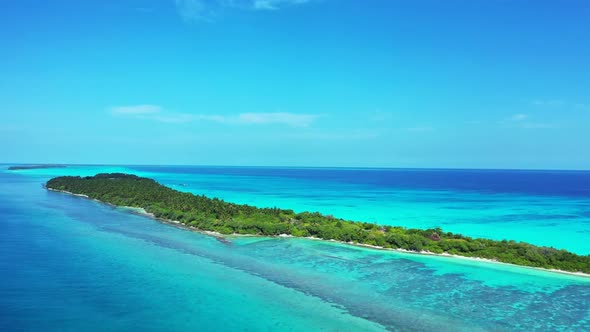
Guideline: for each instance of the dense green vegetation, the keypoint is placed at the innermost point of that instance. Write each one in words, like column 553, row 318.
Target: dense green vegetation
column 212, row 214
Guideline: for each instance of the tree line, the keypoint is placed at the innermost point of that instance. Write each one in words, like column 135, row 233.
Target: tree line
column 212, row 214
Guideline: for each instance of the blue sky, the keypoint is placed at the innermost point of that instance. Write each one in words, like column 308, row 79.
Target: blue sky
column 375, row 83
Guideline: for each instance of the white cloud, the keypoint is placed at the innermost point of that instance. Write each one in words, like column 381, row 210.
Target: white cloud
column 519, row 117
column 292, row 119
column 205, row 10
column 523, row 121
column 157, row 113
column 135, row 110
column 275, row 4
column 264, row 4
column 193, row 10
column 548, row 102
column 560, row 105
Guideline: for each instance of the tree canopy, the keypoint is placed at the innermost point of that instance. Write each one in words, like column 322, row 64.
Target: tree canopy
column 212, row 214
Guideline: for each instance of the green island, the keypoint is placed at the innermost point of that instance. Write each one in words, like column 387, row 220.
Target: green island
column 25, row 167
column 212, row 214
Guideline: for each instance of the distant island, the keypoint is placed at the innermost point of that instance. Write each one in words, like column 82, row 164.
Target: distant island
column 24, row 167
column 212, row 214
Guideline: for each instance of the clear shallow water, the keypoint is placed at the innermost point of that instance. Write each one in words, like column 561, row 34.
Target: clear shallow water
column 72, row 264
column 549, row 208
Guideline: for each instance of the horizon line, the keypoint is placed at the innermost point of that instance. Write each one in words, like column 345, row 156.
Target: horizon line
column 311, row 167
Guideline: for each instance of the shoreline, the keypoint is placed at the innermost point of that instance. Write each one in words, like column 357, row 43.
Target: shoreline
column 142, row 212
column 223, row 238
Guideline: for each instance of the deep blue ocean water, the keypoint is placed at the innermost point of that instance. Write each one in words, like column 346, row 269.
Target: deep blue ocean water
column 70, row 264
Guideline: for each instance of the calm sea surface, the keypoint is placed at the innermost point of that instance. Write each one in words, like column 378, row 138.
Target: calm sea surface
column 70, row 264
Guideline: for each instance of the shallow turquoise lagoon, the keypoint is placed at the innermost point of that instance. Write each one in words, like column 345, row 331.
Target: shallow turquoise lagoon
column 68, row 263
column 543, row 208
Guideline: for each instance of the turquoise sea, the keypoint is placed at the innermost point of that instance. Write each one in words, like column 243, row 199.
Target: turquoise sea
column 71, row 264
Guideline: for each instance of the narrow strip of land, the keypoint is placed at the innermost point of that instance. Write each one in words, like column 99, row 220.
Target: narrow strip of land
column 212, row 214
column 25, row 167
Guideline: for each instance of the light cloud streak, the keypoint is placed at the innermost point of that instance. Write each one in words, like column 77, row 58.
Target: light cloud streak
column 196, row 10
column 523, row 121
column 275, row 4
column 548, row 102
column 560, row 105
column 206, row 10
column 519, row 117
column 292, row 119
column 135, row 110
column 157, row 113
